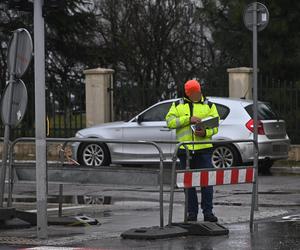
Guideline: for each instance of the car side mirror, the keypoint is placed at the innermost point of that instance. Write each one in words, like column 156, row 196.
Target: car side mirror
column 139, row 119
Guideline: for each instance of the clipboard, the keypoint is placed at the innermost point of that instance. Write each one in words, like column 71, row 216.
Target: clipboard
column 210, row 122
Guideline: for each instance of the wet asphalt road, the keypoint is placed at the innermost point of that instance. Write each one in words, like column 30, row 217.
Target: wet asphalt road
column 277, row 190
column 275, row 234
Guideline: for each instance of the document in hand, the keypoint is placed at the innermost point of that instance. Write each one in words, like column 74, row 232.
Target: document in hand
column 210, row 122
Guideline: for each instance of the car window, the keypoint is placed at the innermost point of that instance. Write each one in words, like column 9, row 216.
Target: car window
column 157, row 113
column 222, row 110
column 264, row 112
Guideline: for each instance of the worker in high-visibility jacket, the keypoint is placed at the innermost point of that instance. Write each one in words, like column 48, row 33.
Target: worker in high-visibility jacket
column 182, row 114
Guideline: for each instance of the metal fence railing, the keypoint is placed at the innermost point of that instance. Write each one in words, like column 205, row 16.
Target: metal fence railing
column 284, row 97
column 65, row 106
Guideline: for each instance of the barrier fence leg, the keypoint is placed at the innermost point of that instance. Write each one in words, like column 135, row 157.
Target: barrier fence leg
column 158, row 232
column 161, row 195
column 60, row 200
column 186, row 198
column 172, row 186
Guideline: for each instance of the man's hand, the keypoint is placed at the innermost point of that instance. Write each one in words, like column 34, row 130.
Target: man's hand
column 200, row 132
column 195, row 120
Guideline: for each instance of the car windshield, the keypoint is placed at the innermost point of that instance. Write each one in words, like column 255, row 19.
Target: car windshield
column 264, row 112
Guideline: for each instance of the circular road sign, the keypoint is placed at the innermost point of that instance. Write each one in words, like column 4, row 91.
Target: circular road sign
column 19, row 52
column 262, row 16
column 18, row 103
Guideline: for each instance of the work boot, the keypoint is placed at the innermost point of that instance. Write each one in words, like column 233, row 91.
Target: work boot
column 192, row 217
column 210, row 217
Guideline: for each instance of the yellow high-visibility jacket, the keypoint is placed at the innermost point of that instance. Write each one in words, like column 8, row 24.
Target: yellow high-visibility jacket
column 179, row 117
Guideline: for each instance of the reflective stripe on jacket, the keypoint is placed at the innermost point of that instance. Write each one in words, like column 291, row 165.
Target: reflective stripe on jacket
column 179, row 117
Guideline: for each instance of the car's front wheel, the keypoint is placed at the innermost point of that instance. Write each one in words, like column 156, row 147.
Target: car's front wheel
column 224, row 156
column 93, row 154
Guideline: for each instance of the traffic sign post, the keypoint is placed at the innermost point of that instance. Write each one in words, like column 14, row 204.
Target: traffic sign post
column 256, row 18
column 19, row 53
column 18, row 58
column 262, row 16
column 18, row 103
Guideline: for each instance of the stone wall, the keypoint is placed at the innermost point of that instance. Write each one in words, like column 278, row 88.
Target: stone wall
column 294, row 153
column 26, row 151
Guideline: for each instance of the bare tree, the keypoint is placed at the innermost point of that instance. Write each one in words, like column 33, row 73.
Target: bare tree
column 154, row 46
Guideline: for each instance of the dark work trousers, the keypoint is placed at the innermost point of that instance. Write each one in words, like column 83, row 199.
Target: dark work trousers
column 199, row 160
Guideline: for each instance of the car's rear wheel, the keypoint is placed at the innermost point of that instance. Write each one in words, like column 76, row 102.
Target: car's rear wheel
column 264, row 166
column 93, row 154
column 224, row 156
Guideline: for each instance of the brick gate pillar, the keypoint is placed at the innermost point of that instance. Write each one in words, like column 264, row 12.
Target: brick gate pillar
column 98, row 96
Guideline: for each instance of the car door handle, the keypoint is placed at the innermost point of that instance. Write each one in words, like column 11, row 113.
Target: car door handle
column 165, row 129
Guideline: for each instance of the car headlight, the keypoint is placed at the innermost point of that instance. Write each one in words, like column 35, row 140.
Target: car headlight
column 78, row 135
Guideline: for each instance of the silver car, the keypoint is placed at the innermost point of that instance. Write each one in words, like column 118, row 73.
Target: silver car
column 236, row 123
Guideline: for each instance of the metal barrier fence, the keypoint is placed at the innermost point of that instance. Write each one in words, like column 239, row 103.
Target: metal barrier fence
column 212, row 176
column 240, row 175
column 68, row 140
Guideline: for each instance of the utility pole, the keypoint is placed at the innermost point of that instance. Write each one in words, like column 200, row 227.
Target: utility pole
column 40, row 119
